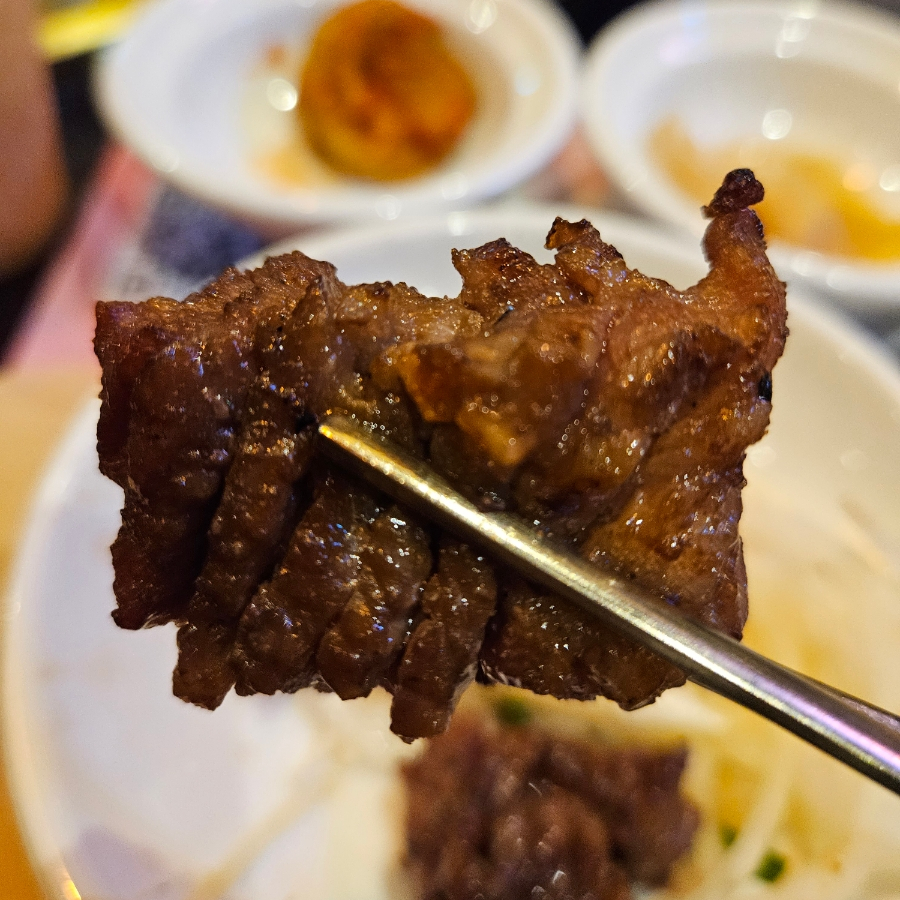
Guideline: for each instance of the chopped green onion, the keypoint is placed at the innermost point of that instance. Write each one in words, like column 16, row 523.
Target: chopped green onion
column 728, row 834
column 512, row 711
column 772, row 866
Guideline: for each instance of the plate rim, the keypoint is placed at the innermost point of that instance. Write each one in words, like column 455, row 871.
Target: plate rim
column 45, row 856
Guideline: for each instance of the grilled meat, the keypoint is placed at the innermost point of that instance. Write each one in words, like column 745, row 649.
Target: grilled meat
column 608, row 408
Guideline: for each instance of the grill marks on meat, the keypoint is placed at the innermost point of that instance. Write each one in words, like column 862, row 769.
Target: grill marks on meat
column 540, row 642
column 258, row 507
column 441, row 656
column 280, row 630
column 177, row 456
column 361, row 647
column 504, row 813
column 605, row 406
column 175, row 377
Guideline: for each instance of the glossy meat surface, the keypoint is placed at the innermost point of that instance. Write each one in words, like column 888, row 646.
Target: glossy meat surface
column 175, row 379
column 604, row 406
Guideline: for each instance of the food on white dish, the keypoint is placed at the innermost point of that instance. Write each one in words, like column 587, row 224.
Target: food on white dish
column 507, row 810
column 382, row 96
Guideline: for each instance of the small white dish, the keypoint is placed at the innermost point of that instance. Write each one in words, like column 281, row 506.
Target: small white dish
column 129, row 793
column 205, row 92
column 825, row 75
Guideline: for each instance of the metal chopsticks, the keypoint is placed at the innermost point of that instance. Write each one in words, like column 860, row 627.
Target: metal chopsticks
column 861, row 735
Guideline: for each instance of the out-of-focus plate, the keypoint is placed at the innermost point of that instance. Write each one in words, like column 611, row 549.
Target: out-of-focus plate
column 814, row 76
column 196, row 89
column 133, row 794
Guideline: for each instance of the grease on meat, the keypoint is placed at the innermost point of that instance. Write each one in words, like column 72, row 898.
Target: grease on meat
column 608, row 408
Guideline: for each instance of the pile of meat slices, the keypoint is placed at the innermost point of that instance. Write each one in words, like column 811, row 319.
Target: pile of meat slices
column 604, row 406
column 502, row 812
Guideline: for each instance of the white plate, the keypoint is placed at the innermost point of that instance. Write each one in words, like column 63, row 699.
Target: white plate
column 190, row 90
column 823, row 74
column 133, row 794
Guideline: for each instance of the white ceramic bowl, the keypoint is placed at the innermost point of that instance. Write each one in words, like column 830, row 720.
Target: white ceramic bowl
column 196, row 91
column 826, row 73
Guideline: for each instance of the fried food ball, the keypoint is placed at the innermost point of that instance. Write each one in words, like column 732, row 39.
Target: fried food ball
column 381, row 95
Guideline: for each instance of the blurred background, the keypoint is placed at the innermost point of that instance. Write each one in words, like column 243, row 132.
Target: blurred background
column 53, row 142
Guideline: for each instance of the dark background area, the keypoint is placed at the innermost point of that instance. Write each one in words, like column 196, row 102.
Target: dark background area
column 83, row 137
